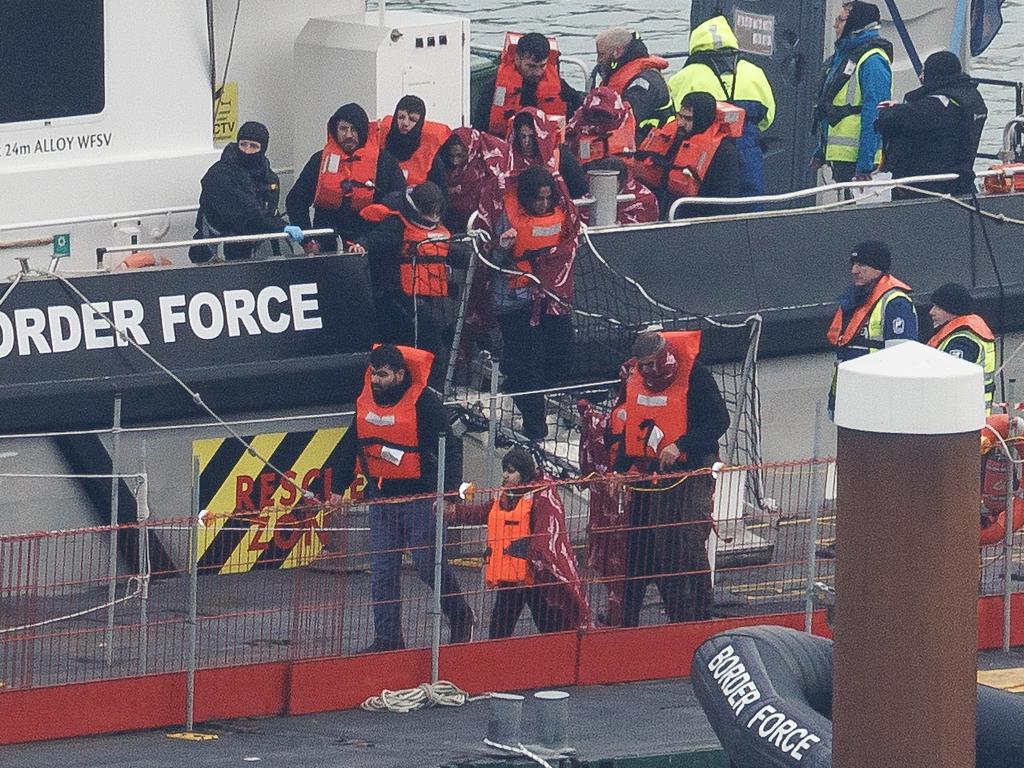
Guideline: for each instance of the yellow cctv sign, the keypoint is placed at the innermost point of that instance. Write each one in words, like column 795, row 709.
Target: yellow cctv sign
column 225, row 119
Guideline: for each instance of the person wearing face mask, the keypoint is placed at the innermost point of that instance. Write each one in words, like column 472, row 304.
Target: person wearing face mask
column 530, row 559
column 856, row 80
column 625, row 65
column 408, row 253
column 937, row 128
column 240, row 194
column 348, row 174
column 527, row 76
column 694, row 156
column 670, row 421
column 412, row 139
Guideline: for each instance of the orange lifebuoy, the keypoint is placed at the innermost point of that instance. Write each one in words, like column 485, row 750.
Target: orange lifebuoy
column 141, row 260
column 993, row 479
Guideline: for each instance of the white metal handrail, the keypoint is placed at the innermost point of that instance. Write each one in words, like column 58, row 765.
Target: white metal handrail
column 264, row 237
column 99, row 217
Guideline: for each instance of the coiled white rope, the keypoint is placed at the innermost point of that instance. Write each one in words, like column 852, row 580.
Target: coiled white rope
column 440, row 694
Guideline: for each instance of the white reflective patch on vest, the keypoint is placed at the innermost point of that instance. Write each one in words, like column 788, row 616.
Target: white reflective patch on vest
column 652, row 401
column 333, row 163
column 547, row 231
column 639, row 82
column 898, row 325
column 391, row 455
column 850, row 66
column 499, row 96
column 944, row 100
column 655, row 438
column 380, row 421
column 585, row 149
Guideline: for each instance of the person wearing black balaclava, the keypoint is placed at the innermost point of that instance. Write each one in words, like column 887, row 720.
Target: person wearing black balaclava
column 239, row 196
column 936, row 130
column 673, row 162
column 357, row 172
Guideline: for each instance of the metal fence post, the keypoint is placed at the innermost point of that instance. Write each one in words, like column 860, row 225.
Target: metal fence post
column 142, row 516
column 115, row 464
column 817, row 496
column 492, row 423
column 435, row 605
column 460, row 321
column 1011, row 474
column 193, row 600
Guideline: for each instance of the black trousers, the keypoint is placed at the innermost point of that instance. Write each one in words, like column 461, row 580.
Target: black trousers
column 534, row 357
column 424, row 325
column 667, row 545
column 509, row 604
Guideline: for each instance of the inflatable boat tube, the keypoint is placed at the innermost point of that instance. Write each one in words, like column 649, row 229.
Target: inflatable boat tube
column 767, row 692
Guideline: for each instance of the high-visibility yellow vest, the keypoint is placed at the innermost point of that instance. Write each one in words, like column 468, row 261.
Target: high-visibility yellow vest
column 843, row 140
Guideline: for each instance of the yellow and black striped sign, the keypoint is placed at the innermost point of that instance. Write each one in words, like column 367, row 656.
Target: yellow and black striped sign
column 254, row 519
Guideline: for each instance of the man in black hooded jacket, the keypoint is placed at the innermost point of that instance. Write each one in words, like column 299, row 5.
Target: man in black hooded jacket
column 937, row 129
column 338, row 189
column 239, row 195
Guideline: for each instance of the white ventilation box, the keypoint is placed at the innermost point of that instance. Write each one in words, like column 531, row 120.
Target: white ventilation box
column 374, row 59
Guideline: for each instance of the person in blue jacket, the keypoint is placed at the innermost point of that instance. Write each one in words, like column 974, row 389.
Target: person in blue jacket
column 856, row 79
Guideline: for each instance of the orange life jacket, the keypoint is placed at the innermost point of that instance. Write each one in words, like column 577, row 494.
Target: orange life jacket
column 974, row 322
column 616, row 433
column 505, row 526
column 532, row 233
column 418, row 165
column 621, row 141
column 421, row 259
column 508, row 88
column 691, row 157
column 388, row 437
column 346, row 177
column 623, row 76
column 650, row 413
column 840, row 336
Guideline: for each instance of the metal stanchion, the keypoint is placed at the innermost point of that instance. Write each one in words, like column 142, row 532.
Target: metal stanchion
column 115, row 464
column 817, row 498
column 142, row 515
column 1011, row 475
column 435, row 604
column 193, row 600
column 460, row 322
column 492, row 424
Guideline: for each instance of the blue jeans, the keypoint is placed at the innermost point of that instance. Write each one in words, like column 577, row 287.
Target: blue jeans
column 393, row 527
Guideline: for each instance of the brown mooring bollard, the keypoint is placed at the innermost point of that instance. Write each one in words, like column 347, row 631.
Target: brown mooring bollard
column 906, row 559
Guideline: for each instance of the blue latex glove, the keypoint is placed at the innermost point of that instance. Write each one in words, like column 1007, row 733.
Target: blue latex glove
column 295, row 233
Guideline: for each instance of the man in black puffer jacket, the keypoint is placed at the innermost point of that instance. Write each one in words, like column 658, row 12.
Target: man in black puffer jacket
column 937, row 129
column 240, row 195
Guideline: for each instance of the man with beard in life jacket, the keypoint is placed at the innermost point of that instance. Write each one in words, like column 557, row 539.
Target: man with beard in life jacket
column 875, row 311
column 625, row 65
column 534, row 243
column 693, row 156
column 240, row 196
column 412, row 139
column 394, row 439
column 856, row 80
column 348, row 174
column 937, row 128
column 530, row 559
column 671, row 420
column 408, row 253
column 963, row 334
column 716, row 66
column 527, row 76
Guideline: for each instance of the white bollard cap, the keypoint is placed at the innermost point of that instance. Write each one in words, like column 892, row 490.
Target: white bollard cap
column 910, row 389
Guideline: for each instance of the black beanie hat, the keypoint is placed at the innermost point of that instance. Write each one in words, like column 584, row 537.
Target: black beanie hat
column 872, row 253
column 953, row 298
column 253, row 131
column 353, row 114
column 861, row 14
column 941, row 64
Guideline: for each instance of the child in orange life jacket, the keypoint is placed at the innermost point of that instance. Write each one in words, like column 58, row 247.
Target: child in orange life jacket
column 407, row 252
column 530, row 559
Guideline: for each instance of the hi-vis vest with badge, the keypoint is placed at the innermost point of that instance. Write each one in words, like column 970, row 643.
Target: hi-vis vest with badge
column 869, row 315
column 843, row 140
column 504, row 526
column 974, row 328
column 388, row 437
column 655, row 419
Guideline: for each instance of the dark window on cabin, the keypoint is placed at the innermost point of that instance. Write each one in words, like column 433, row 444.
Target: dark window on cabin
column 51, row 59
